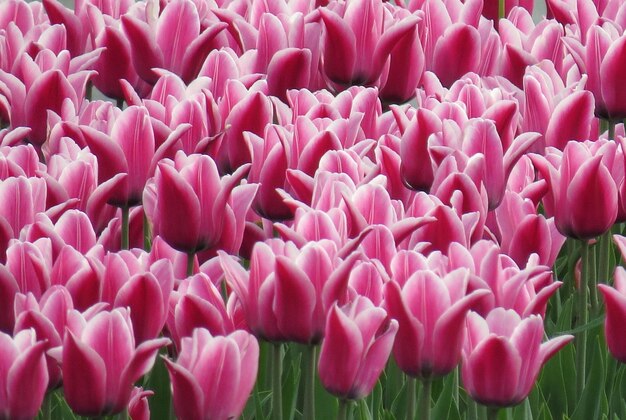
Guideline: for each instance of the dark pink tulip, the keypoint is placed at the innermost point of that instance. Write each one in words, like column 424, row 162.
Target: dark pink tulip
column 417, row 166
column 287, row 292
column 187, row 201
column 167, row 43
column 583, row 194
column 615, row 304
column 366, row 330
column 128, row 150
column 465, row 40
column 198, row 304
column 21, row 199
column 213, row 376
column 360, row 28
column 24, row 377
column 367, row 279
column 430, row 311
column 100, row 363
column 503, row 355
column 48, row 319
column 31, row 265
column 138, row 407
column 522, row 232
column 241, row 111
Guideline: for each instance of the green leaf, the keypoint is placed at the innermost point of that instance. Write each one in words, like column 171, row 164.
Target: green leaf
column 446, row 407
column 591, row 401
column 158, row 380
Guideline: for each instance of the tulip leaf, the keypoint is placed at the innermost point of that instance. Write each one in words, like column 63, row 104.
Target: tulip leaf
column 591, row 403
column 158, row 380
column 446, row 407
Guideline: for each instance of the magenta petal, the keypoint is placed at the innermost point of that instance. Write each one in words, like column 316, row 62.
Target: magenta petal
column 611, row 76
column 456, row 53
column 146, row 53
column 84, row 377
column 176, row 29
column 27, row 382
column 570, row 119
column 494, row 369
column 142, row 295
column 592, row 198
column 615, row 304
column 338, row 368
column 177, row 211
column 339, row 48
column 186, row 393
column 288, row 69
column 294, row 302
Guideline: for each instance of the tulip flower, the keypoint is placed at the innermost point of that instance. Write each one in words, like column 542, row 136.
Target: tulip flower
column 23, row 375
column 615, row 303
column 213, row 376
column 187, row 201
column 503, row 354
column 100, row 362
column 354, row 30
column 583, row 195
column 368, row 333
column 430, row 311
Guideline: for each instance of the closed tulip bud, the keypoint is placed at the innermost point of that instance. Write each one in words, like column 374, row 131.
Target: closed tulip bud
column 213, row 376
column 503, row 355
column 359, row 338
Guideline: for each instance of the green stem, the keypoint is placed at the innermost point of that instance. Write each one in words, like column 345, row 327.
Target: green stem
column 277, row 388
column 501, row 9
column 611, row 133
column 424, row 401
column 191, row 256
column 492, row 413
column 342, row 413
column 309, row 361
column 125, row 227
column 411, row 403
column 147, row 233
column 120, row 103
column 604, row 270
column 583, row 319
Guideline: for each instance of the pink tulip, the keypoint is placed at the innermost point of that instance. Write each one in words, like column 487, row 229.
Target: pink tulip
column 213, row 376
column 100, row 362
column 615, row 303
column 166, row 43
column 198, row 304
column 600, row 55
column 503, row 355
column 583, row 195
column 48, row 319
column 187, row 201
column 288, row 291
column 24, row 378
column 138, row 408
column 430, row 311
column 366, row 331
column 360, row 28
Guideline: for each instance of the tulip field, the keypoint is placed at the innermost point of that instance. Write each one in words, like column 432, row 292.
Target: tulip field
column 313, row 209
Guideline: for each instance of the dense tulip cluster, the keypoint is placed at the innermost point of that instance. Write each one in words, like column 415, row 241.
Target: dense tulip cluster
column 368, row 179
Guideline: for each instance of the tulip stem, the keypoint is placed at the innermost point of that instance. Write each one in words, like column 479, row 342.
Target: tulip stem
column 277, row 388
column 583, row 318
column 492, row 413
column 501, row 9
column 424, row 401
column 191, row 256
column 342, row 414
column 611, row 133
column 411, row 391
column 309, row 382
column 125, row 227
column 120, row 103
column 147, row 234
column 604, row 270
